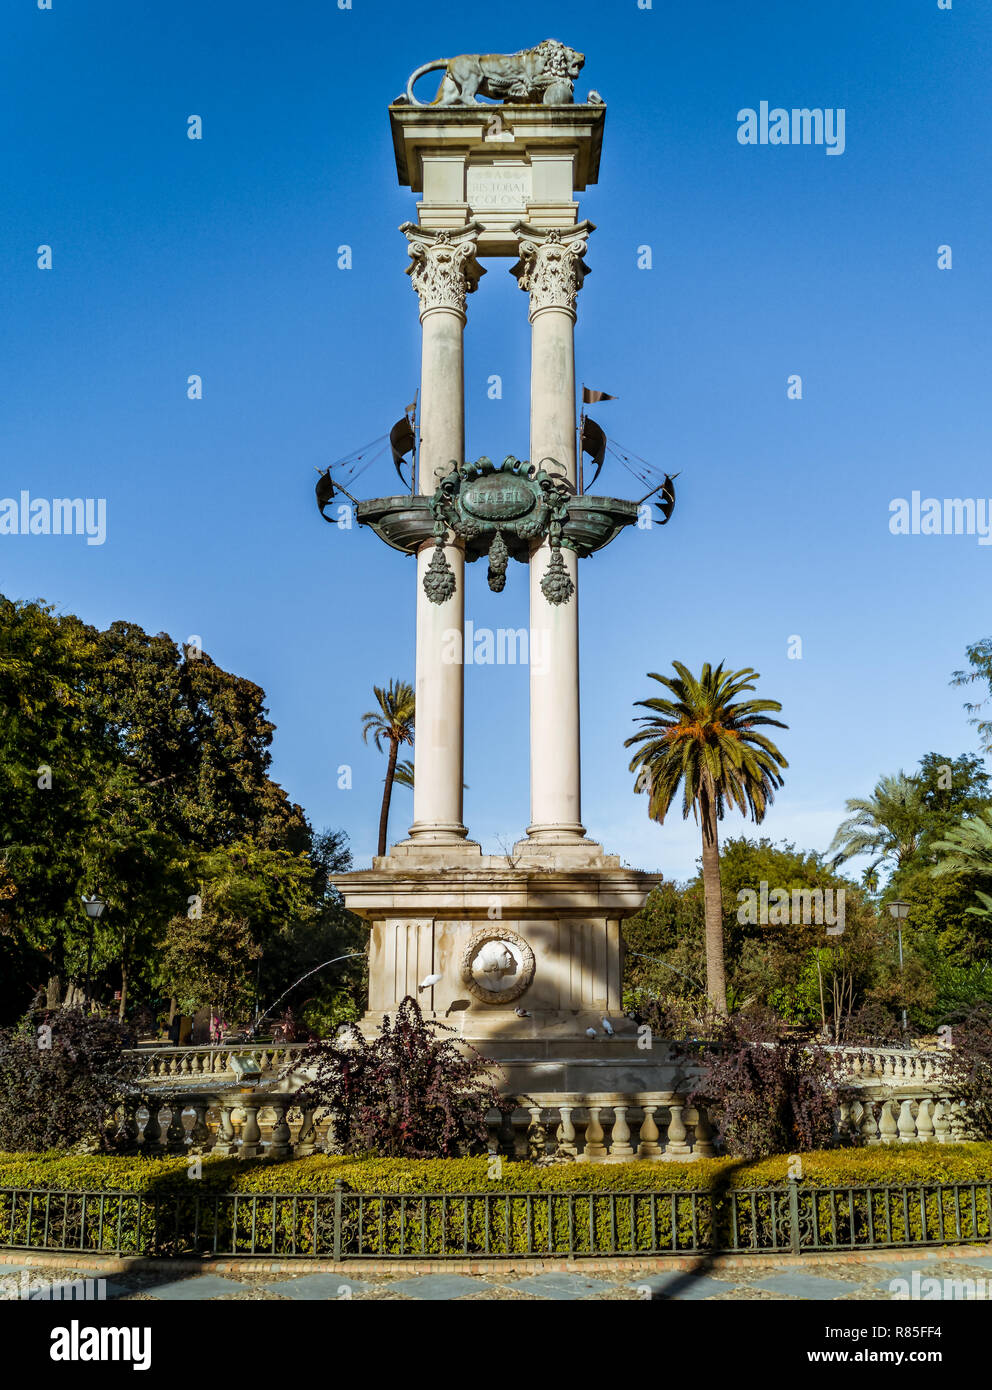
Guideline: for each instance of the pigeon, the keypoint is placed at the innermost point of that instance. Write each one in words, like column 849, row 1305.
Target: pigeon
column 521, row 1013
column 590, row 1032
column 427, row 981
column 607, row 1027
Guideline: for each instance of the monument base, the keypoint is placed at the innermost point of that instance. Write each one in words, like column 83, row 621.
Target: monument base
column 524, row 954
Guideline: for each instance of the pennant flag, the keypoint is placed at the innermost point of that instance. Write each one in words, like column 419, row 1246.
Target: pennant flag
column 592, row 441
column 325, row 492
column 401, row 441
column 590, row 397
column 667, row 504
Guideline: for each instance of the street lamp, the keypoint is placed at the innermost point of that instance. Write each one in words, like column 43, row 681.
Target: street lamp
column 93, row 906
column 900, row 911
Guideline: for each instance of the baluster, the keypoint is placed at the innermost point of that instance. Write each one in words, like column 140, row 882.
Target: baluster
column 907, row 1123
column 648, row 1146
column 566, row 1132
column 306, row 1139
column 151, row 1137
column 924, row 1121
column 703, row 1142
column 941, row 1126
column 175, row 1135
column 959, row 1128
column 537, row 1135
column 869, row 1125
column 250, row 1132
column 595, row 1148
column 225, row 1134
column 621, row 1148
column 887, row 1128
column 199, row 1135
column 278, row 1145
column 676, row 1137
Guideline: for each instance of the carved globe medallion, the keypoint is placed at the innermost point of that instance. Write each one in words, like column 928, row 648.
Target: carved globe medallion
column 497, row 966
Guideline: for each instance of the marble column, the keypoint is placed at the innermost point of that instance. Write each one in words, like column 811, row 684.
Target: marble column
column 443, row 270
column 551, row 270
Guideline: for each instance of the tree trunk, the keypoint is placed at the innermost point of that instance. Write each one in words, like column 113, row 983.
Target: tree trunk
column 716, row 984
column 120, row 1011
column 387, row 794
column 54, row 993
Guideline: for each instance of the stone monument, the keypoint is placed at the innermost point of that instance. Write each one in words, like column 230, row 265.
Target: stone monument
column 522, row 951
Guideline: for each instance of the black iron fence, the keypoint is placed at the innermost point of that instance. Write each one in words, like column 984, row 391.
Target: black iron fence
column 343, row 1224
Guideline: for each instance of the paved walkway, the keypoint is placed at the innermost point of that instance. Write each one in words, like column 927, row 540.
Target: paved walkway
column 834, row 1279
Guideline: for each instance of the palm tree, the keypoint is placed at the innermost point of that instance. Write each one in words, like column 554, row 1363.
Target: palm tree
column 968, row 850
column 393, row 723
column 706, row 743
column 889, row 824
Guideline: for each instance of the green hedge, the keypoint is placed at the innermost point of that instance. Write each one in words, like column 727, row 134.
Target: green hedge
column 895, row 1164
column 619, row 1215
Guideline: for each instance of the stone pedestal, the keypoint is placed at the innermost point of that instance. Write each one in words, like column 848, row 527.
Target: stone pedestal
column 529, row 954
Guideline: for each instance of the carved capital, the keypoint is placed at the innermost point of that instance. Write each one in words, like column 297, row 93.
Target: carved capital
column 443, row 268
column 551, row 268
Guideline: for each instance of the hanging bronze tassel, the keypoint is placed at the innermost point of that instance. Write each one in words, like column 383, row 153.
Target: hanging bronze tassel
column 439, row 581
column 498, row 558
column 557, row 586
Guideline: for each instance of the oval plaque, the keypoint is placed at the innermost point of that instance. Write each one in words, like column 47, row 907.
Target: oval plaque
column 497, row 497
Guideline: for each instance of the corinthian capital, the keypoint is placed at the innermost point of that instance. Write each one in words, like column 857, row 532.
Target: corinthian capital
column 551, row 267
column 443, row 268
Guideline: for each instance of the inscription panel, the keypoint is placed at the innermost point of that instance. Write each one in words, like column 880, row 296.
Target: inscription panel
column 494, row 187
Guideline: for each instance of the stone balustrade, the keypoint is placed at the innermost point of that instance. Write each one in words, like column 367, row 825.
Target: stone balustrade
column 901, row 1101
column 166, row 1063
column 910, row 1120
column 892, row 1066
column 586, row 1129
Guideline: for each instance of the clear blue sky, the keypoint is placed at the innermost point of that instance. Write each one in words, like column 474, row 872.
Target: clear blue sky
column 218, row 257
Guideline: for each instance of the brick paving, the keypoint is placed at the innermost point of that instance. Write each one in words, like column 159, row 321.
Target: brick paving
column 833, row 1279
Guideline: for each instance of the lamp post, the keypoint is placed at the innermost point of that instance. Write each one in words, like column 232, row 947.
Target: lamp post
column 93, row 907
column 900, row 911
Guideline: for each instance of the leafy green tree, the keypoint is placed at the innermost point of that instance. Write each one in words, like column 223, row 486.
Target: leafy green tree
column 952, row 788
column 136, row 768
column 392, row 723
column 706, row 741
column 208, row 960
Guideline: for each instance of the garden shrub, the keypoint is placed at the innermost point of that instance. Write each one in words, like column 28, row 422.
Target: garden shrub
column 766, row 1090
column 411, row 1091
column 63, row 1074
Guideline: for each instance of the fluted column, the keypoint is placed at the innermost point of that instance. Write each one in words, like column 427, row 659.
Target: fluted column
column 551, row 270
column 443, row 270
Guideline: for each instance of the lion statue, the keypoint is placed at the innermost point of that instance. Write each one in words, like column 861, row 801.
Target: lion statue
column 543, row 74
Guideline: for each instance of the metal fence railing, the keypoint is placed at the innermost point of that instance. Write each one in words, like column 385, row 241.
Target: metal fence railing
column 343, row 1224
